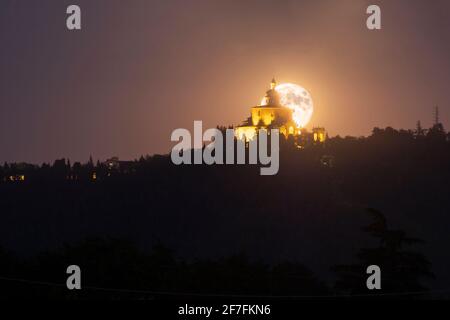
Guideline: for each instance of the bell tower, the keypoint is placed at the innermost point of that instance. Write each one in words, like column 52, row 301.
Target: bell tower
column 271, row 99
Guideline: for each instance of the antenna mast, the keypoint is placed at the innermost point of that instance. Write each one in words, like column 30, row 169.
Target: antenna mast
column 436, row 115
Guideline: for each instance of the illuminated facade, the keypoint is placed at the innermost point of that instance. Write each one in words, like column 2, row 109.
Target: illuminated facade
column 17, row 177
column 319, row 134
column 270, row 114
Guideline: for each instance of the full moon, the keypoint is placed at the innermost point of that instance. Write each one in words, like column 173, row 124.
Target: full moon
column 299, row 100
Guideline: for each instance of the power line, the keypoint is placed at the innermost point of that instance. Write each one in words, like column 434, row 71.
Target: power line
column 242, row 296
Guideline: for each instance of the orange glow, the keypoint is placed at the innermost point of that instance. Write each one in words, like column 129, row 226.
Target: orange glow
column 245, row 133
column 297, row 99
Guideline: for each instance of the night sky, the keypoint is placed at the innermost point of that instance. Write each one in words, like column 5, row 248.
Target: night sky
column 138, row 69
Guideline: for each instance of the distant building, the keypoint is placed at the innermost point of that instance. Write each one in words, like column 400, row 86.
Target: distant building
column 271, row 114
column 114, row 164
column 319, row 134
column 16, row 177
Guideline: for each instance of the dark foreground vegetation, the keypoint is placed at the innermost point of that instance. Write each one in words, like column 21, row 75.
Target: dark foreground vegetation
column 113, row 266
column 232, row 231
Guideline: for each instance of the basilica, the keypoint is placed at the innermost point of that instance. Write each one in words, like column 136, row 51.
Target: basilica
column 272, row 114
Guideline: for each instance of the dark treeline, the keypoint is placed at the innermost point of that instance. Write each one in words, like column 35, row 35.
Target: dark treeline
column 111, row 267
column 63, row 169
column 117, row 268
column 307, row 217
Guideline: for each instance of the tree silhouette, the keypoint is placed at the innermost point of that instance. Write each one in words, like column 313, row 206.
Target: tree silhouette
column 295, row 215
column 116, row 264
column 401, row 269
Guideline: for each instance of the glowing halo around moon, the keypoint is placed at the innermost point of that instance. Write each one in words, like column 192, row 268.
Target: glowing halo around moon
column 297, row 99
